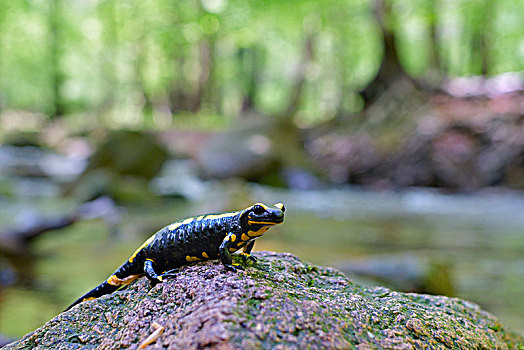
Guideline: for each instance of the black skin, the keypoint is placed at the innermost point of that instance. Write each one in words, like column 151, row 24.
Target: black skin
column 206, row 237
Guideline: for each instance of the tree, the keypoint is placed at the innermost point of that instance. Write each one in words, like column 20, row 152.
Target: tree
column 55, row 54
column 390, row 69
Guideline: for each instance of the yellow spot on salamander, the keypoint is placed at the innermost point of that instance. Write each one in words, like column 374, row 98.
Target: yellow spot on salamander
column 187, row 221
column 279, row 205
column 233, row 237
column 232, row 249
column 204, row 254
column 192, row 258
column 174, row 226
column 258, row 233
column 245, row 237
column 220, row 216
column 200, row 217
column 115, row 281
column 252, row 222
column 87, row 299
column 149, row 240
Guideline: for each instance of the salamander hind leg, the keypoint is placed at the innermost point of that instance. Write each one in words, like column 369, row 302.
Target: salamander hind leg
column 153, row 276
column 150, row 272
column 170, row 273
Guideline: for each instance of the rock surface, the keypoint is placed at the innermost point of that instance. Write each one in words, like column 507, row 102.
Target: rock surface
column 279, row 302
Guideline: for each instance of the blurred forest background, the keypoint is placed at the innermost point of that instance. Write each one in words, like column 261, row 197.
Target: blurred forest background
column 119, row 117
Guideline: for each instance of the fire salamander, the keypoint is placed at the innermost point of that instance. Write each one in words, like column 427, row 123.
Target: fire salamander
column 205, row 237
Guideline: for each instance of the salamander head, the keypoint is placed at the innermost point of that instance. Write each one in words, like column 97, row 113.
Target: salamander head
column 260, row 214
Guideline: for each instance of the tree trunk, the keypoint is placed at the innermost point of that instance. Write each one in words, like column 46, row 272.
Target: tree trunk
column 55, row 53
column 435, row 62
column 298, row 87
column 390, row 69
column 479, row 37
column 108, row 79
column 176, row 98
column 210, row 95
column 251, row 63
column 180, row 96
column 2, row 97
column 205, row 53
column 147, row 107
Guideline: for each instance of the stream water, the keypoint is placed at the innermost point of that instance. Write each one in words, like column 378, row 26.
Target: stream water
column 474, row 243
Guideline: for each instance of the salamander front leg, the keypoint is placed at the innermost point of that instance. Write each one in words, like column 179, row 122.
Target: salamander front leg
column 246, row 254
column 224, row 254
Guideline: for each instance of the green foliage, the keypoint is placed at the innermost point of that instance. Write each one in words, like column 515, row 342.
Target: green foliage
column 130, row 62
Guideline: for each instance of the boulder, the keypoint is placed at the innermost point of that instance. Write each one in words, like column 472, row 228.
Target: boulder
column 279, row 302
column 121, row 168
column 262, row 149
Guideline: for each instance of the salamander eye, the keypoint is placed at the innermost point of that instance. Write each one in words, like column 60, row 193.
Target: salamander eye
column 258, row 209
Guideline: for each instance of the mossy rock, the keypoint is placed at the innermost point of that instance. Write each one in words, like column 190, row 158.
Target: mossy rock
column 279, row 302
column 262, row 150
column 121, row 168
column 130, row 153
column 23, row 139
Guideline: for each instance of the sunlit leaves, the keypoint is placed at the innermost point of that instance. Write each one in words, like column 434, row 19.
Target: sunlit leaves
column 119, row 54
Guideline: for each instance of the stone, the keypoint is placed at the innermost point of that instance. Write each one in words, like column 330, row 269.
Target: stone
column 278, row 302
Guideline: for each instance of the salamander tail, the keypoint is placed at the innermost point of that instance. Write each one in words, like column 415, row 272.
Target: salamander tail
column 102, row 289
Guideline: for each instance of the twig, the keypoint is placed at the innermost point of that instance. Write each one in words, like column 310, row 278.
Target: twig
column 154, row 336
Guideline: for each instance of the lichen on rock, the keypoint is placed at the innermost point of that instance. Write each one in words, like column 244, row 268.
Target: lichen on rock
column 279, row 302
